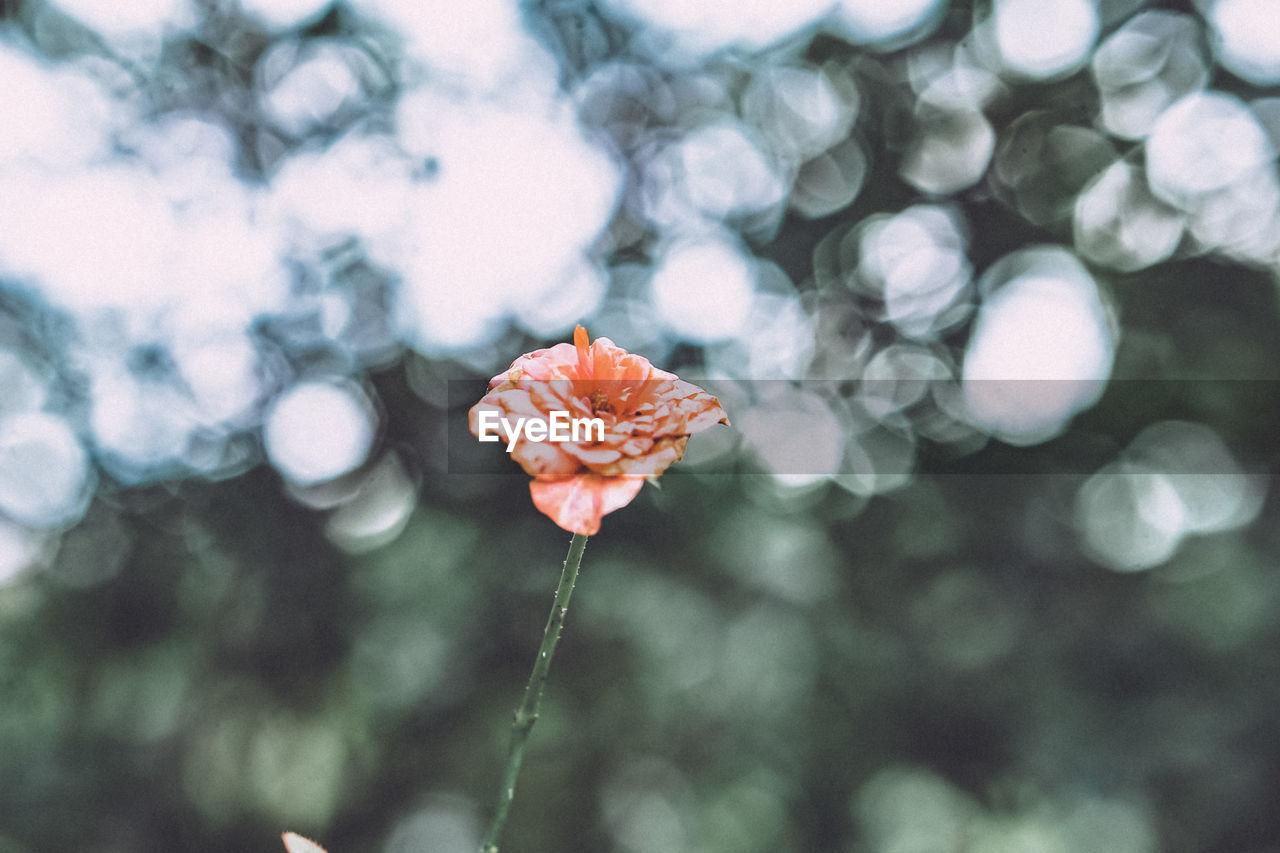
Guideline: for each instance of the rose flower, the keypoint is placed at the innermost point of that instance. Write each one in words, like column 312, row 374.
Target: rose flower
column 647, row 413
column 297, row 844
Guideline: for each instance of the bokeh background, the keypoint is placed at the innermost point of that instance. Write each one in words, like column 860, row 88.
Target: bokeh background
column 985, row 564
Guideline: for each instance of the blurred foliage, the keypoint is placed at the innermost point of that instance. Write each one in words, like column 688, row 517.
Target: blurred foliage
column 749, row 664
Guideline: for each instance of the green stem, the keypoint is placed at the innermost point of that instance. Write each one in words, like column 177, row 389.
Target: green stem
column 527, row 713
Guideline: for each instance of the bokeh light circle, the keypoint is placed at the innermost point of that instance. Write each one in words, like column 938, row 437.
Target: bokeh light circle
column 318, row 431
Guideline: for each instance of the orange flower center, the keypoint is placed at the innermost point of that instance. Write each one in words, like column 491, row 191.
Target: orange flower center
column 600, row 402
